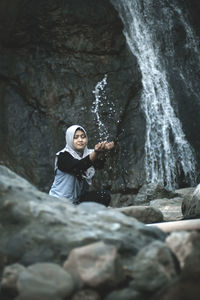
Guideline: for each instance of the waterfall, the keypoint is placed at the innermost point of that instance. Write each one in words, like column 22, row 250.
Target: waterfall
column 167, row 152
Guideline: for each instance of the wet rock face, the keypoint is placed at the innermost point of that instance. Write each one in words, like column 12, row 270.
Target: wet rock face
column 51, row 57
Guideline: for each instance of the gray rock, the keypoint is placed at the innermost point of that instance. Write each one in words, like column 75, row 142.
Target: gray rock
column 96, row 265
column 152, row 191
column 120, row 200
column 186, row 246
column 40, row 281
column 170, row 208
column 10, row 278
column 191, row 204
column 38, row 227
column 154, row 267
column 91, row 207
column 145, row 214
column 185, row 191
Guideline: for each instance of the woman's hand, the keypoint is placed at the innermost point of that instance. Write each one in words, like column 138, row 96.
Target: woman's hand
column 100, row 149
column 104, row 146
column 109, row 146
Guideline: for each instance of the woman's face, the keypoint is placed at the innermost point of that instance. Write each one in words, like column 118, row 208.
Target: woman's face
column 80, row 140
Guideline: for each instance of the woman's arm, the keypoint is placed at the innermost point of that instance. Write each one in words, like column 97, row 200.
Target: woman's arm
column 67, row 163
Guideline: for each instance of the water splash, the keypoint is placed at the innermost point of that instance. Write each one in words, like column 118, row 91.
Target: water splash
column 167, row 152
column 100, row 98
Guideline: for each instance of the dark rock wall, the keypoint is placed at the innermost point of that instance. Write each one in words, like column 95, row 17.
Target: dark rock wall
column 52, row 54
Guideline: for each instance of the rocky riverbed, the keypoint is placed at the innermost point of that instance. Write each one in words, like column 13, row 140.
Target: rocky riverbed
column 50, row 249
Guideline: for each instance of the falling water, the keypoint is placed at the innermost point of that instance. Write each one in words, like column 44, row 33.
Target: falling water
column 186, row 71
column 167, row 152
column 100, row 99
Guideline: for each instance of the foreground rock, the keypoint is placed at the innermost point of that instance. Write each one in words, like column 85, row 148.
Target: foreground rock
column 39, row 227
column 45, row 281
column 51, row 250
column 186, row 246
column 157, row 260
column 96, row 266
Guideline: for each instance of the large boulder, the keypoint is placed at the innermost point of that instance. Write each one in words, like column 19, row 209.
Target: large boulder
column 96, row 265
column 157, row 262
column 170, row 208
column 39, row 228
column 186, row 246
column 191, row 204
column 102, row 249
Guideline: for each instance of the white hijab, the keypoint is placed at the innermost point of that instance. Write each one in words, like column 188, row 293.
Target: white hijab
column 69, row 136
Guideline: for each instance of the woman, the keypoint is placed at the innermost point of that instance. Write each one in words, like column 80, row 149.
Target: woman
column 75, row 166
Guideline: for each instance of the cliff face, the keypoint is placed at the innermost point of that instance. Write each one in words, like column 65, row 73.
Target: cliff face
column 52, row 55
